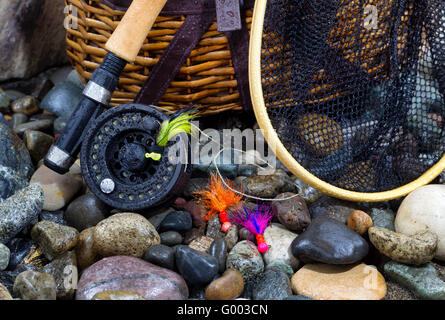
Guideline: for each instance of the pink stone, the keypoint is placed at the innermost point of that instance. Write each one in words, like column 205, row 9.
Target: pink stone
column 134, row 274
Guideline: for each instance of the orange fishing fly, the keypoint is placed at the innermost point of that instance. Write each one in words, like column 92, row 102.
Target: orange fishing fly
column 217, row 198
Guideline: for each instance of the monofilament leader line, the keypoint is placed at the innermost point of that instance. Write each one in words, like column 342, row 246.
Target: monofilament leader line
column 219, row 173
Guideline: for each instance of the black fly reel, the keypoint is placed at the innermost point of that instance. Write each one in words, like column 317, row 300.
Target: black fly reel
column 114, row 165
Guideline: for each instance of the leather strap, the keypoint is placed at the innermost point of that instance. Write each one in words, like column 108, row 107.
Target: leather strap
column 177, row 7
column 239, row 48
column 174, row 57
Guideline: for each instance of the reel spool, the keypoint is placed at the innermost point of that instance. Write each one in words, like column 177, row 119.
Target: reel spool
column 114, row 165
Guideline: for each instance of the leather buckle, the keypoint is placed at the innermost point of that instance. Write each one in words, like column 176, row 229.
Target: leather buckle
column 228, row 15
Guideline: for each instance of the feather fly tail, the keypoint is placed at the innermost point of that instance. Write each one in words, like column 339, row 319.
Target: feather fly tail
column 216, row 197
column 178, row 122
column 256, row 220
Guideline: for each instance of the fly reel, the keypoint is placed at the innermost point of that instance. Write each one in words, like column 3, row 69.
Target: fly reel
column 115, row 162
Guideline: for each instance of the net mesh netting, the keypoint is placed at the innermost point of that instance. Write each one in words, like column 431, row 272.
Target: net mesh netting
column 354, row 89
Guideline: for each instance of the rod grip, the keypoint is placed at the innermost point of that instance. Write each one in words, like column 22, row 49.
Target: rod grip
column 128, row 37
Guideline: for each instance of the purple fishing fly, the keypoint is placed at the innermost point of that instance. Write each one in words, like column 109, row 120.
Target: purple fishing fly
column 256, row 221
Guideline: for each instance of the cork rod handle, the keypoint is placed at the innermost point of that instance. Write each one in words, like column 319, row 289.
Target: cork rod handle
column 127, row 39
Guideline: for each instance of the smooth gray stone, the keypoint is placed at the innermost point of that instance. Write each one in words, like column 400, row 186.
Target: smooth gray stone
column 226, row 163
column 383, row 218
column 177, row 221
column 329, row 241
column 161, row 255
column 73, row 77
column 85, row 212
column 196, row 267
column 18, row 119
column 156, row 220
column 62, row 100
column 170, row 238
column 218, row 249
column 38, row 125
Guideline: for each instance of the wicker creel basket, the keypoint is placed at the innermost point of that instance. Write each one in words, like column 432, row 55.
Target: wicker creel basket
column 206, row 80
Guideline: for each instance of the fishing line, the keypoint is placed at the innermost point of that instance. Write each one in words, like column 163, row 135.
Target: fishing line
column 242, row 151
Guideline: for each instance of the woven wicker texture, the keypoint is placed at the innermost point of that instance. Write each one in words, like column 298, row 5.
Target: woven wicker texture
column 207, row 80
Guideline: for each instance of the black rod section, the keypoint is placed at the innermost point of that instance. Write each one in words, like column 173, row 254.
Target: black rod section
column 96, row 96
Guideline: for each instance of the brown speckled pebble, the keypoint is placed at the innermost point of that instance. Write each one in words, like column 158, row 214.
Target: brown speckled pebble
column 125, row 233
column 359, row 221
column 54, row 239
column 416, row 249
column 265, row 186
column 292, row 213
